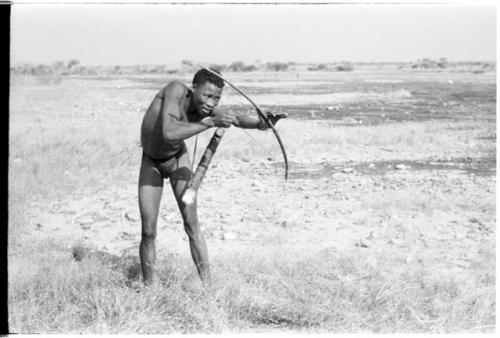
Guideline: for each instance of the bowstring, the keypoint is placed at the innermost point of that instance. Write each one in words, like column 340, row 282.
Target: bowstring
column 246, row 132
column 254, row 139
column 258, row 143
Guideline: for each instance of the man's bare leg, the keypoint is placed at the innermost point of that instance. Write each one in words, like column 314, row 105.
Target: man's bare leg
column 150, row 190
column 197, row 244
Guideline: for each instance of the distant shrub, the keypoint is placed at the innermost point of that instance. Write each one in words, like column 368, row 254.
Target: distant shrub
column 82, row 70
column 42, row 70
column 277, row 66
column 489, row 66
column 218, row 67
column 135, row 69
column 318, row 67
column 239, row 66
column 59, row 65
column 73, row 62
column 344, row 67
column 154, row 69
column 23, row 69
column 117, row 70
column 430, row 64
column 236, row 66
column 249, row 68
column 442, row 63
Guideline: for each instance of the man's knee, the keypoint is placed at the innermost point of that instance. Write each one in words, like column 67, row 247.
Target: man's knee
column 148, row 229
column 192, row 229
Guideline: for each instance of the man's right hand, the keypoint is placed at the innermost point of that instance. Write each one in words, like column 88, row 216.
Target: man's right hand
column 219, row 120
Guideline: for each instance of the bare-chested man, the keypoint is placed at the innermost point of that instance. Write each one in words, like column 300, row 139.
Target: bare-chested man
column 177, row 113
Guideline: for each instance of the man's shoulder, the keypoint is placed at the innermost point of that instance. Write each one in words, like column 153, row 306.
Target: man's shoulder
column 175, row 88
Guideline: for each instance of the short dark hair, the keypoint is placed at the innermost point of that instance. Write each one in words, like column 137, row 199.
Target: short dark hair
column 204, row 75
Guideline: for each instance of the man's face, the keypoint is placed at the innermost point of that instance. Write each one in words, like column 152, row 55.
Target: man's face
column 206, row 97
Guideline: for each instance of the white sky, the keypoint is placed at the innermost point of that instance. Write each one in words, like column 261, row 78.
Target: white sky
column 166, row 34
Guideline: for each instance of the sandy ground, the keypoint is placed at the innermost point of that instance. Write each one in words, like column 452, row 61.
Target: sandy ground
column 350, row 196
column 440, row 218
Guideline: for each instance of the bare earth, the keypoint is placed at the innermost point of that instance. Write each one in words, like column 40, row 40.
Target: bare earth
column 395, row 168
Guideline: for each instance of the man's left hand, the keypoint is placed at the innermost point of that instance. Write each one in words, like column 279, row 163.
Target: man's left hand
column 273, row 118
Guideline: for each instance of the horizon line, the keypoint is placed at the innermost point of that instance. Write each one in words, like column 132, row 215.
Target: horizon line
column 246, row 62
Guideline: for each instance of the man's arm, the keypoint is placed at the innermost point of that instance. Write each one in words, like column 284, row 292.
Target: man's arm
column 247, row 122
column 250, row 122
column 173, row 128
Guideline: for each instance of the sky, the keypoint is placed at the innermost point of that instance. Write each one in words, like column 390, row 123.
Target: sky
column 166, row 34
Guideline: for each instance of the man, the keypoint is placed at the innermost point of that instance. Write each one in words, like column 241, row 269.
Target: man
column 175, row 114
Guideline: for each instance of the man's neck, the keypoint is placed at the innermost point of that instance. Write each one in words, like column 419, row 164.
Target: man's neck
column 191, row 109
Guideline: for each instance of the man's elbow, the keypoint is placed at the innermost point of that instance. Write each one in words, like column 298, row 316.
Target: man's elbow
column 169, row 135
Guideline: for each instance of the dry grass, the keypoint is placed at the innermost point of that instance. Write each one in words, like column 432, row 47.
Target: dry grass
column 324, row 292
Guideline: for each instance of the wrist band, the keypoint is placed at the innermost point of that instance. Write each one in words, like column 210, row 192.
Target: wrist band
column 262, row 125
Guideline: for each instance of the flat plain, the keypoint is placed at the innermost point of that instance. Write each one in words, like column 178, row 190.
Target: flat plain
column 386, row 223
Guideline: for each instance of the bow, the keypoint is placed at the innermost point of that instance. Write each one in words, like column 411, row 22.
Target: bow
column 259, row 112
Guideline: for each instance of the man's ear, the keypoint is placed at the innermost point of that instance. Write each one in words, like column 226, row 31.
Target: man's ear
column 193, row 86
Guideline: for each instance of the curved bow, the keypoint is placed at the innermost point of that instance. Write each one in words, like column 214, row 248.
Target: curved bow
column 261, row 114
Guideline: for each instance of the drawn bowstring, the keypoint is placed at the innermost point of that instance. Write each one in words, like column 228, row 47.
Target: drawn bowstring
column 258, row 143
column 246, row 132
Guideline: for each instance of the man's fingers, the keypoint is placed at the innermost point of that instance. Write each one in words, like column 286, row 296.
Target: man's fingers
column 280, row 115
column 228, row 121
column 276, row 116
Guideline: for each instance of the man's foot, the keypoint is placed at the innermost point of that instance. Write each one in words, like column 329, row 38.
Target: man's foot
column 151, row 281
column 193, row 282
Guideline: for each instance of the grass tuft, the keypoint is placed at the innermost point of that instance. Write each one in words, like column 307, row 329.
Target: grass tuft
column 327, row 291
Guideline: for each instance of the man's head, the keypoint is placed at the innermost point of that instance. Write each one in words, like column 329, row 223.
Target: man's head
column 207, row 90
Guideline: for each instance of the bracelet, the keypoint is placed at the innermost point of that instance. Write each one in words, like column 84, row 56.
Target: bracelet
column 262, row 125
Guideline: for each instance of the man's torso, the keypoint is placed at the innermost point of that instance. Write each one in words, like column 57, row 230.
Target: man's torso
column 152, row 140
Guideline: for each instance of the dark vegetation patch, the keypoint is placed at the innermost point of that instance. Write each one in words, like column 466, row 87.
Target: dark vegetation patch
column 428, row 101
column 376, row 114
column 485, row 166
